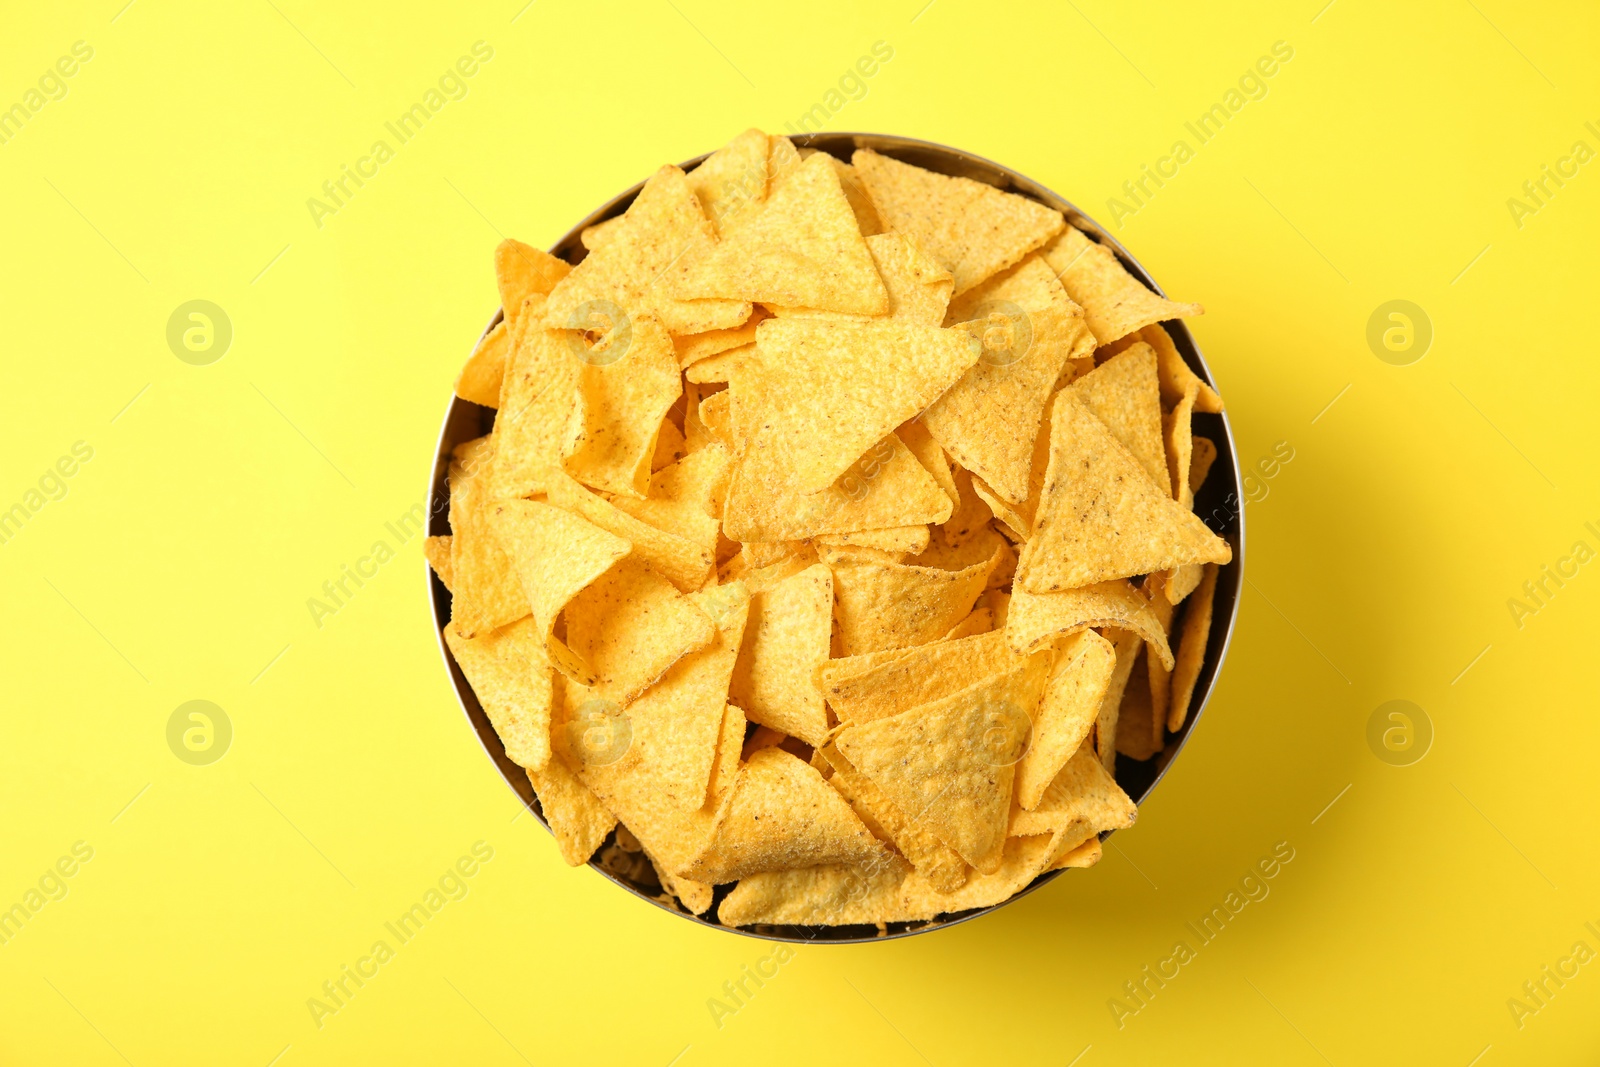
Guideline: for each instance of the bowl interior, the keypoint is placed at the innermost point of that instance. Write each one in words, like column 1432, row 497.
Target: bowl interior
column 1220, row 503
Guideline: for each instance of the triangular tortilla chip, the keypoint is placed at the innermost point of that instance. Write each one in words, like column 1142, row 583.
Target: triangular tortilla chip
column 633, row 271
column 510, row 673
column 806, row 387
column 937, row 861
column 694, row 896
column 1115, row 302
column 1192, row 648
column 1128, row 645
column 783, row 816
column 1101, row 517
column 629, row 625
column 1037, row 620
column 919, row 288
column 1124, row 394
column 682, row 562
column 557, row 555
column 539, row 415
column 686, row 498
column 1139, row 733
column 732, row 182
column 577, row 819
column 787, row 638
column 878, row 685
column 486, row 588
column 480, row 379
column 437, row 550
column 1176, row 377
column 915, row 436
column 626, row 384
column 593, row 237
column 692, row 348
column 522, row 271
column 1205, row 454
column 1079, row 677
column 1084, row 792
column 949, row 765
column 974, row 229
column 881, row 606
column 1028, row 329
column 802, row 249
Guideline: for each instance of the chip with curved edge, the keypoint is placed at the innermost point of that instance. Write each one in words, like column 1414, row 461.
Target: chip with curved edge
column 481, row 377
column 692, row 348
column 1037, row 620
column 901, row 539
column 1128, row 645
column 885, row 605
column 787, row 639
column 437, row 551
column 521, row 271
column 1114, row 301
column 732, row 182
column 1079, row 677
column 718, row 367
column 1192, row 648
column 1176, row 377
column 1124, row 394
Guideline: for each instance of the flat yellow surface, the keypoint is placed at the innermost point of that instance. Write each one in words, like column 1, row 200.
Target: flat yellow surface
column 176, row 563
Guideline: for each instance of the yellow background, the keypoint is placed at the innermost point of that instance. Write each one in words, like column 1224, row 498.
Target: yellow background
column 178, row 566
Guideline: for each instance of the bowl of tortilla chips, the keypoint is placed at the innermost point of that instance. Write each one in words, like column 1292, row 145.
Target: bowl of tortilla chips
column 834, row 540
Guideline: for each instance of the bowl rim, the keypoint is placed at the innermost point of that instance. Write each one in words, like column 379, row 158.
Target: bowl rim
column 1220, row 641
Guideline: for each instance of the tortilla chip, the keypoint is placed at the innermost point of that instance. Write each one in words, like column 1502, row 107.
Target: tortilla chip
column 1176, row 377
column 670, row 446
column 485, row 369
column 622, row 399
column 883, row 606
column 860, row 203
column 791, row 622
column 1078, row 681
column 1180, row 448
column 1139, row 734
column 719, row 367
column 1159, row 668
column 949, row 764
column 539, row 417
column 593, row 237
column 630, row 625
column 939, row 863
column 1128, row 645
column 437, row 551
column 989, row 419
column 1115, row 302
column 684, row 563
column 1038, row 620
column 577, row 819
column 695, row 896
column 522, row 271
column 975, row 230
column 1083, row 792
column 717, row 417
column 1101, row 517
column 686, row 497
column 901, row 539
column 1205, row 454
column 1192, row 649
column 783, row 816
column 1123, row 393
column 979, row 621
column 801, row 249
column 919, row 289
column 486, row 588
column 509, row 671
column 914, row 435
column 1086, row 854
column 732, row 182
column 882, row 684
column 632, row 273
column 693, row 348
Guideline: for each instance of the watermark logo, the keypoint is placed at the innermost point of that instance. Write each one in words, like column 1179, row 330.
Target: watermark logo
column 199, row 332
column 1399, row 733
column 51, row 886
column 199, row 733
column 1002, row 331
column 599, row 732
column 1007, row 732
column 52, row 486
column 852, row 86
column 1399, row 332
column 602, row 332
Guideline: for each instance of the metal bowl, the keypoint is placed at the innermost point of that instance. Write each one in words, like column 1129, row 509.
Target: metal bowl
column 1220, row 503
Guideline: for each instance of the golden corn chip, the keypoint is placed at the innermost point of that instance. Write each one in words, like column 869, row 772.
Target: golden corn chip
column 1083, row 791
column 764, row 737
column 938, row 862
column 1205, row 454
column 510, row 673
column 866, row 215
column 486, row 588
column 1124, row 394
column 717, row 368
column 1101, row 517
column 882, row 684
column 597, row 235
column 576, row 817
column 1192, row 648
column 759, row 555
column 692, row 348
column 782, row 159
column 1037, row 620
column 1176, row 377
column 684, row 563
column 979, row 621
column 903, row 539
column 1086, row 854
column 437, row 551
column 732, row 182
column 632, row 273
column 686, row 497
column 522, row 271
column 834, row 555
column 1128, row 645
column 1115, row 302
column 485, row 369
column 1180, row 448
column 717, row 417
column 783, row 816
column 914, row 435
column 988, row 420
column 974, row 229
column 1158, row 667
column 949, row 765
column 1078, row 681
column 539, row 417
column 670, row 446
column 824, row 392
column 694, row 896
column 629, row 625
column 881, row 606
column 972, row 512
column 623, row 398
column 919, row 289
column 791, row 622
column 557, row 555
column 1139, row 734
column 801, row 249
